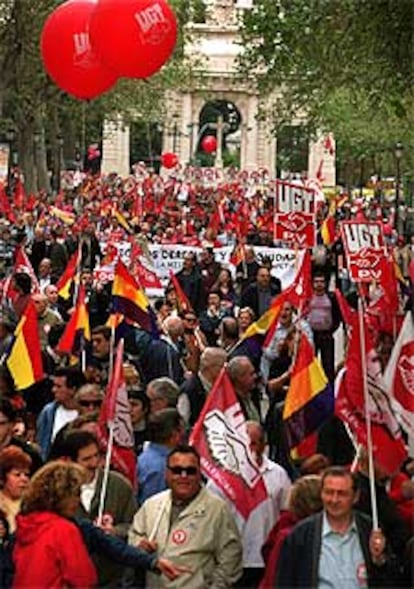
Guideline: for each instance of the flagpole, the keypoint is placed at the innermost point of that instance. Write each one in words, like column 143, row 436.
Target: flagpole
column 78, row 271
column 111, row 428
column 371, row 473
column 111, row 352
column 106, row 472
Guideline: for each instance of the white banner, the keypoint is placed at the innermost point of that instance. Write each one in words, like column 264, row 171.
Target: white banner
column 170, row 257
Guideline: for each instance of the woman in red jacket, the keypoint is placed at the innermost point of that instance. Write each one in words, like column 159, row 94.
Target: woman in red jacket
column 304, row 500
column 49, row 549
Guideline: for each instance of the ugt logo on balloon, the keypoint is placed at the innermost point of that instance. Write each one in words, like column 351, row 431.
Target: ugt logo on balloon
column 153, row 24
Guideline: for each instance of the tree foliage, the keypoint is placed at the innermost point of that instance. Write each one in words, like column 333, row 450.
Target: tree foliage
column 32, row 104
column 344, row 65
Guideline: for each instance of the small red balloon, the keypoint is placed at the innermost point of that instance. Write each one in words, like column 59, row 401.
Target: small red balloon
column 209, row 144
column 67, row 54
column 134, row 37
column 169, row 160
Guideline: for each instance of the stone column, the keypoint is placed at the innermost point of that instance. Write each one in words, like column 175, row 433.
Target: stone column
column 115, row 148
column 322, row 150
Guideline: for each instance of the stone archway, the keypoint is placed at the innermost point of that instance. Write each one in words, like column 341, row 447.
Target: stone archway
column 231, row 132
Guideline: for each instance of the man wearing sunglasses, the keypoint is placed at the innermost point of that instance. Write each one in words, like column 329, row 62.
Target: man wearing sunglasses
column 189, row 525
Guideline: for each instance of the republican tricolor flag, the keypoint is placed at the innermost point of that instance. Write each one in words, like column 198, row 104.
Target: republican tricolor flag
column 309, row 400
column 129, row 299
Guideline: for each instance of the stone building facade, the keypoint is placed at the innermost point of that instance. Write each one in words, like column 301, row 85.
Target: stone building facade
column 214, row 43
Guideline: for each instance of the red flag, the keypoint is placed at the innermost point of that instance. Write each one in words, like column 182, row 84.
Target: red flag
column 115, row 413
column 19, row 194
column 21, row 264
column 399, row 374
column 222, row 442
column 184, row 304
column 145, row 277
column 348, row 313
column 388, row 446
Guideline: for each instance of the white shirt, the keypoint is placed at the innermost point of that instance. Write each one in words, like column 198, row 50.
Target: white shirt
column 62, row 417
column 88, row 492
column 256, row 528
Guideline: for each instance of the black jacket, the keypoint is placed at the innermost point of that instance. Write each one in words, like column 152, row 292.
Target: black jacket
column 298, row 564
column 250, row 297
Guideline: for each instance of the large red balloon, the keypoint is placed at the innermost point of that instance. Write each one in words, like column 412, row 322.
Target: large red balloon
column 134, row 37
column 169, row 160
column 67, row 54
column 209, row 143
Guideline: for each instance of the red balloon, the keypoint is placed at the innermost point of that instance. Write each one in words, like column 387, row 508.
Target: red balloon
column 209, row 143
column 134, row 37
column 169, row 160
column 67, row 54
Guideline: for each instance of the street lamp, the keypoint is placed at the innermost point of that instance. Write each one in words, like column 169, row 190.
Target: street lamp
column 59, row 143
column 361, row 175
column 398, row 152
column 10, row 136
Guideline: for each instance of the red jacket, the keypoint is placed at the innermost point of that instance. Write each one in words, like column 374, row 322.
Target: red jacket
column 50, row 552
column 273, row 544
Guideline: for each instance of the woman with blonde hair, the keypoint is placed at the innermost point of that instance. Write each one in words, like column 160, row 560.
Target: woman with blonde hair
column 49, row 549
column 304, row 500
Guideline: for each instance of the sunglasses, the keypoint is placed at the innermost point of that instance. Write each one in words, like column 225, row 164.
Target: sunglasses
column 90, row 403
column 180, row 470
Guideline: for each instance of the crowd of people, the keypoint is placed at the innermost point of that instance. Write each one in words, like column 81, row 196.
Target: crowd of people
column 171, row 527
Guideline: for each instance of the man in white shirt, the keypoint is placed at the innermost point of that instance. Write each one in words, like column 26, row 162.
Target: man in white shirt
column 55, row 415
column 261, row 520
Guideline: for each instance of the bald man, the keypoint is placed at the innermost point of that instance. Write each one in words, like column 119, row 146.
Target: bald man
column 194, row 390
column 243, row 376
column 163, row 356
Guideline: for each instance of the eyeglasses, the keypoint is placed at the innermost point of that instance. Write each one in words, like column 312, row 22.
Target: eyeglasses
column 180, row 470
column 84, row 403
column 190, row 319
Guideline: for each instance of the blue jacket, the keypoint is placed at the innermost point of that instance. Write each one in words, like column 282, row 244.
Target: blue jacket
column 152, row 463
column 111, row 546
column 45, row 427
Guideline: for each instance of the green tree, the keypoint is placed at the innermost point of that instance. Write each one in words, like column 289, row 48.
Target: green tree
column 40, row 113
column 344, row 65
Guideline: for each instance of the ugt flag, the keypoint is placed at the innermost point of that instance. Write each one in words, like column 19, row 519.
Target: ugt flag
column 221, row 439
